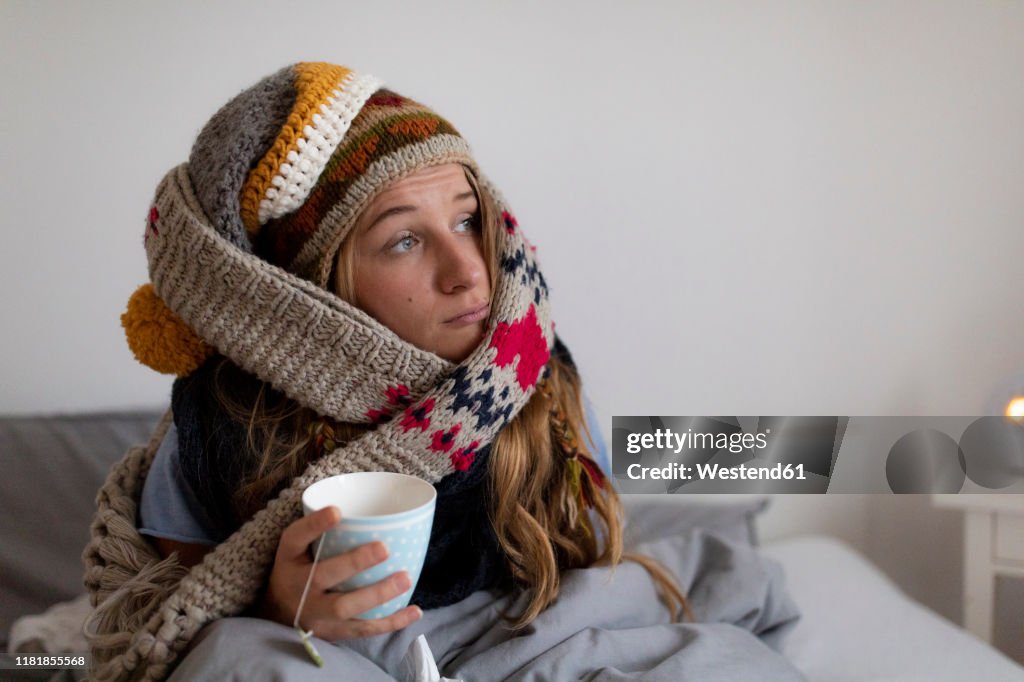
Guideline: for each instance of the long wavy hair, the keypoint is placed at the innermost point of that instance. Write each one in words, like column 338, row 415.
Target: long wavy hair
column 534, row 508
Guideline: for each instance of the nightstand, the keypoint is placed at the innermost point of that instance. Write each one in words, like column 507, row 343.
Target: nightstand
column 993, row 547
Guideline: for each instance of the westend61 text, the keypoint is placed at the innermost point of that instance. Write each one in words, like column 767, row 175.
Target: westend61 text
column 709, row 472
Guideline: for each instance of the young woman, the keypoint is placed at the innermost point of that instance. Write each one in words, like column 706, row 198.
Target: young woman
column 338, row 288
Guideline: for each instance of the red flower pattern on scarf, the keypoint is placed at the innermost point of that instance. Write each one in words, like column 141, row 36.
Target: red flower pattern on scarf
column 510, row 222
column 463, row 458
column 397, row 396
column 151, row 223
column 523, row 338
column 416, row 417
column 444, row 440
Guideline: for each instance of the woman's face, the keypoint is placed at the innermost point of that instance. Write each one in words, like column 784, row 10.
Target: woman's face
column 418, row 263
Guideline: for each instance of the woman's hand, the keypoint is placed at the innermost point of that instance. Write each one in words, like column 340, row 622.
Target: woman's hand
column 331, row 615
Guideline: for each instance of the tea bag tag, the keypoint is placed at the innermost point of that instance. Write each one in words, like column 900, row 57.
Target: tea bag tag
column 310, row 649
column 306, row 636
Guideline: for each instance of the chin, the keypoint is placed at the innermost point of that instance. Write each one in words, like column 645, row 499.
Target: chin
column 457, row 352
column 458, row 355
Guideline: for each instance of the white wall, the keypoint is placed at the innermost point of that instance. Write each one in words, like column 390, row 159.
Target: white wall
column 742, row 207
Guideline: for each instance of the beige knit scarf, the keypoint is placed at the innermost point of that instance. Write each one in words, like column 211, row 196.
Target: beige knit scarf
column 329, row 356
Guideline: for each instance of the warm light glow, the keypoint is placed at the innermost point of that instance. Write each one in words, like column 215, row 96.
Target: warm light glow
column 1015, row 408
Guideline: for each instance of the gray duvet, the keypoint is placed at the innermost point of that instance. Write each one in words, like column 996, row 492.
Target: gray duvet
column 605, row 625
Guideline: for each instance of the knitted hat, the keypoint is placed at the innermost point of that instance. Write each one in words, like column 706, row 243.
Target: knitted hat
column 283, row 171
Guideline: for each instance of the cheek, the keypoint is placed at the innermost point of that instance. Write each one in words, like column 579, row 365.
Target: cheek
column 383, row 292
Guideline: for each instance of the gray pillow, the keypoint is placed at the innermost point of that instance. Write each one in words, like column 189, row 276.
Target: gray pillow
column 52, row 469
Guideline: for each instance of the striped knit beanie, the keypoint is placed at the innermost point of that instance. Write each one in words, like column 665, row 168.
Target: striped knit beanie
column 282, row 171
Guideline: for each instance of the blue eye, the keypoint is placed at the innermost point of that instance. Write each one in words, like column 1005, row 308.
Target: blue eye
column 470, row 223
column 404, row 244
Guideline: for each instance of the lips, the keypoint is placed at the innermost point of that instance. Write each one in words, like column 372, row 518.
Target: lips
column 471, row 314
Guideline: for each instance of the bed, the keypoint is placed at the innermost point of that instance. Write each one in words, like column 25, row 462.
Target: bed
column 854, row 623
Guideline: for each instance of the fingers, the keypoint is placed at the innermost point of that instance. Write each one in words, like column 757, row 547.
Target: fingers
column 297, row 536
column 355, row 628
column 332, row 615
column 336, row 612
column 330, row 572
column 351, row 604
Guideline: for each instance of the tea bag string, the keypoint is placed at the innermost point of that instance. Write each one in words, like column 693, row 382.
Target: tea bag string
column 305, row 636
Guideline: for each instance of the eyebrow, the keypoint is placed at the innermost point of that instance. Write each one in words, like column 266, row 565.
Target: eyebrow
column 405, row 208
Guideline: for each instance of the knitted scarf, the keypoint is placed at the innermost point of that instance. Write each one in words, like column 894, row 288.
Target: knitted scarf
column 209, row 443
column 435, row 418
column 213, row 450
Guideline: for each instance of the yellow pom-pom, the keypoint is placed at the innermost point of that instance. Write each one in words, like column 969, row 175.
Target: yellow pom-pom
column 159, row 338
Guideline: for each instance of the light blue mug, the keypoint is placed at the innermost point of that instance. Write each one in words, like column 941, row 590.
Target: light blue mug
column 394, row 508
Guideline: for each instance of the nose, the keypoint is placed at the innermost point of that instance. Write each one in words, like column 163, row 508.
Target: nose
column 461, row 263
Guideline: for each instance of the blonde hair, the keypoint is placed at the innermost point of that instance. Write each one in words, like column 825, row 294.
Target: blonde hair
column 537, row 516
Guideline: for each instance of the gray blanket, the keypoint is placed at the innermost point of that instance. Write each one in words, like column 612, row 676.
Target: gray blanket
column 605, row 625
